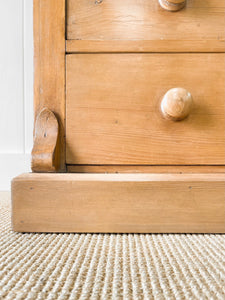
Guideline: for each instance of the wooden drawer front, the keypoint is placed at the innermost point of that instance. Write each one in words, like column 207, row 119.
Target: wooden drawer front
column 145, row 20
column 113, row 109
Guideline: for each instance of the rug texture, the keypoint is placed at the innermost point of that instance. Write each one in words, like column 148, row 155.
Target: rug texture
column 109, row 266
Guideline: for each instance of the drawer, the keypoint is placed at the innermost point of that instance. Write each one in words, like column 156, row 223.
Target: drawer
column 113, row 109
column 201, row 21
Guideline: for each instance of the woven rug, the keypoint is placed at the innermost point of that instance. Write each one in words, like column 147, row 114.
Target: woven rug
column 109, row 266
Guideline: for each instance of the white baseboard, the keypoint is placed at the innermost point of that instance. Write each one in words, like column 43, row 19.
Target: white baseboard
column 12, row 165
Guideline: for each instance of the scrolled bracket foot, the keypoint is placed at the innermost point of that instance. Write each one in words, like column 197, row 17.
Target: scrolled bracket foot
column 44, row 154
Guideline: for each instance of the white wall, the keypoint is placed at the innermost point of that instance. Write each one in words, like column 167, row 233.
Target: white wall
column 16, row 88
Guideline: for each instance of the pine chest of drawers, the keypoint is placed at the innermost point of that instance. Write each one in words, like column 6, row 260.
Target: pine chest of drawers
column 129, row 118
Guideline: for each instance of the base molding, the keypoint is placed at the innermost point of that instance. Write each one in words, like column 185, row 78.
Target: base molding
column 120, row 203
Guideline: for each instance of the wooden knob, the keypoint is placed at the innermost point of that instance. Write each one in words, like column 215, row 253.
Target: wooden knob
column 172, row 5
column 176, row 104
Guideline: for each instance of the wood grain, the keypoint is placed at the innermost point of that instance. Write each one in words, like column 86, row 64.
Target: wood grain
column 46, row 131
column 49, row 63
column 141, row 203
column 113, row 109
column 145, row 20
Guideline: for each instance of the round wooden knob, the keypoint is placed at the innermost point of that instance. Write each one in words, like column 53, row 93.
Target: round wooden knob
column 176, row 104
column 172, row 5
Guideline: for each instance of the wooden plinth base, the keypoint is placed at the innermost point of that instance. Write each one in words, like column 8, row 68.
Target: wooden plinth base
column 123, row 203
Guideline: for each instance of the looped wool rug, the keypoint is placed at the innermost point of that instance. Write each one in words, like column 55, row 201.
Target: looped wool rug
column 109, row 266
